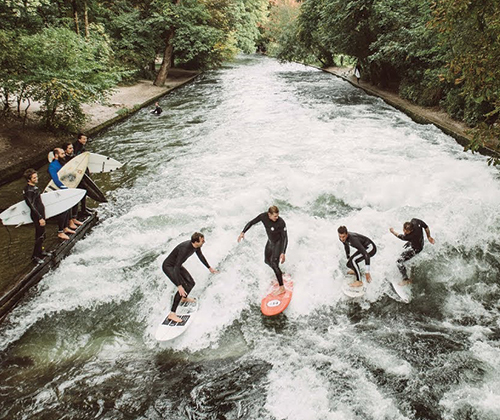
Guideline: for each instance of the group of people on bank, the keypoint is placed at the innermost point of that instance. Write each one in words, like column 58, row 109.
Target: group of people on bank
column 275, row 250
column 67, row 221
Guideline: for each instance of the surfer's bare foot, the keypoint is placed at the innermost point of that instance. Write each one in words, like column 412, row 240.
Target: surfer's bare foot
column 279, row 291
column 67, row 230
column 356, row 284
column 73, row 226
column 173, row 317
column 350, row 272
column 188, row 299
column 76, row 222
column 405, row 282
column 63, row 236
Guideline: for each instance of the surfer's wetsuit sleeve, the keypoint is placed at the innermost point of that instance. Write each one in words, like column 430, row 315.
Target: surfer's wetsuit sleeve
column 202, row 257
column 284, row 237
column 54, row 167
column 253, row 222
column 347, row 250
column 32, row 199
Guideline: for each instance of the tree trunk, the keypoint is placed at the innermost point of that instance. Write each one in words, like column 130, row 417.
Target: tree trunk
column 75, row 17
column 161, row 77
column 86, row 19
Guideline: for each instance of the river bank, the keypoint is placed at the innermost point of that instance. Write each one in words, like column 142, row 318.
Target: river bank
column 423, row 115
column 24, row 146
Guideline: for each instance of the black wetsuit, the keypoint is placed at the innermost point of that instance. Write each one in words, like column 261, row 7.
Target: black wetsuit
column 78, row 148
column 172, row 267
column 414, row 244
column 276, row 243
column 365, row 249
column 157, row 111
column 37, row 212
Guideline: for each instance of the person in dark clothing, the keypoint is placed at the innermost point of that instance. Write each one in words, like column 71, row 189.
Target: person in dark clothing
column 32, row 198
column 277, row 242
column 63, row 219
column 365, row 249
column 157, row 110
column 413, row 234
column 68, row 155
column 173, row 269
column 79, row 144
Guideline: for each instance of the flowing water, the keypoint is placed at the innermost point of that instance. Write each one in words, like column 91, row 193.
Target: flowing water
column 237, row 140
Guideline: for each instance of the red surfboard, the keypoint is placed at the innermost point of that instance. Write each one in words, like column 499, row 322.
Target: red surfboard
column 274, row 305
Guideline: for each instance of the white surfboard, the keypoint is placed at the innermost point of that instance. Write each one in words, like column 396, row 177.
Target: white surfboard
column 72, row 173
column 352, row 292
column 168, row 330
column 102, row 164
column 97, row 163
column 404, row 292
column 55, row 203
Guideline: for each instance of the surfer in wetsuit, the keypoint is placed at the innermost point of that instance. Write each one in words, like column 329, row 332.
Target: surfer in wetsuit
column 79, row 144
column 68, row 155
column 157, row 110
column 64, row 218
column 277, row 242
column 173, row 269
column 365, row 249
column 413, row 234
column 32, row 198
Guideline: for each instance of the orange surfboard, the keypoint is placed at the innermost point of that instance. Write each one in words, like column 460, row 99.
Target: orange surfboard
column 274, row 305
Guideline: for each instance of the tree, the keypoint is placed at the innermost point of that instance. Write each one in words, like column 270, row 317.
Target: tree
column 63, row 71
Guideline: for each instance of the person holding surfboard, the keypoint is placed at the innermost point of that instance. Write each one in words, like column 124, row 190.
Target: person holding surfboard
column 277, row 241
column 365, row 249
column 413, row 234
column 64, row 218
column 32, row 198
column 173, row 269
column 79, row 144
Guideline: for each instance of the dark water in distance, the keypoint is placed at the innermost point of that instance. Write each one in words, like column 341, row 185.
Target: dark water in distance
column 229, row 145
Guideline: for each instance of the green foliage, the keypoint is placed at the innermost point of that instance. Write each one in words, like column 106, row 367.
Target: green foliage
column 249, row 17
column 202, row 37
column 63, row 71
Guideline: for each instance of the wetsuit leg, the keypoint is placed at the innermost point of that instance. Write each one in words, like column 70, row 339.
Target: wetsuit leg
column 272, row 259
column 405, row 256
column 186, row 281
column 353, row 264
column 74, row 212
column 39, row 237
column 63, row 220
column 357, row 257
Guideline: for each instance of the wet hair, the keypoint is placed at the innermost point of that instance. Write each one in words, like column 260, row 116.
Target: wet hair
column 408, row 226
column 56, row 151
column 342, row 230
column 66, row 144
column 196, row 237
column 80, row 135
column 273, row 210
column 28, row 173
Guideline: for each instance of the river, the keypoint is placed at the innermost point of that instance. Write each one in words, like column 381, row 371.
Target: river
column 237, row 140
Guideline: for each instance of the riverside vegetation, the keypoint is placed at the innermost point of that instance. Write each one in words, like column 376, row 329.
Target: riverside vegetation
column 433, row 52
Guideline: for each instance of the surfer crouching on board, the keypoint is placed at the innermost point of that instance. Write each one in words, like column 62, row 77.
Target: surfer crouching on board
column 413, row 234
column 277, row 242
column 365, row 248
column 172, row 267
